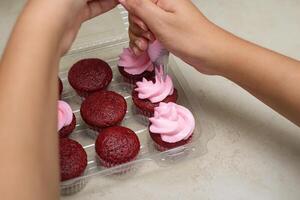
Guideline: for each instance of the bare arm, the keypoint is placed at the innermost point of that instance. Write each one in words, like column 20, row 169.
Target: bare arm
column 28, row 84
column 271, row 77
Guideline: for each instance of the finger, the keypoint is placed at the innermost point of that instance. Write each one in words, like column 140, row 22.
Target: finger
column 135, row 49
column 97, row 7
column 134, row 20
column 136, row 30
column 140, row 42
column 146, row 10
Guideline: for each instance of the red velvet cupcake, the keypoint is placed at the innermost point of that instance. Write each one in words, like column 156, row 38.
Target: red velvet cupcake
column 117, row 145
column 67, row 130
column 73, row 159
column 172, row 126
column 60, row 87
column 66, row 119
column 103, row 109
column 133, row 68
column 148, row 94
column 89, row 75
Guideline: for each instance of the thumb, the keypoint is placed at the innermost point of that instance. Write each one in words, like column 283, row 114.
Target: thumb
column 146, row 10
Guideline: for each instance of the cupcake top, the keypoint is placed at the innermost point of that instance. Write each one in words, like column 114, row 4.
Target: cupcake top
column 135, row 64
column 65, row 115
column 155, row 91
column 117, row 145
column 173, row 122
column 73, row 159
column 90, row 75
column 104, row 108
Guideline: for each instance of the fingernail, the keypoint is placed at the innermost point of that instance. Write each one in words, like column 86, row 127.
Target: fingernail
column 143, row 26
column 139, row 44
column 148, row 36
column 135, row 50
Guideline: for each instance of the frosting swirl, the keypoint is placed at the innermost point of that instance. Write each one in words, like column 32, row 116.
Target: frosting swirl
column 158, row 91
column 135, row 64
column 65, row 115
column 173, row 122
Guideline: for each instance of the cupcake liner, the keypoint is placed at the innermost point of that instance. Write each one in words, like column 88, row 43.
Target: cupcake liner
column 128, row 169
column 128, row 80
column 141, row 115
column 163, row 148
column 96, row 130
column 145, row 113
column 72, row 187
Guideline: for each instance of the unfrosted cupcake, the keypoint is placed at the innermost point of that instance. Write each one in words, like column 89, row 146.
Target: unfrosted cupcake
column 172, row 126
column 134, row 68
column 148, row 94
column 73, row 159
column 103, row 109
column 117, row 145
column 66, row 119
column 73, row 162
column 89, row 75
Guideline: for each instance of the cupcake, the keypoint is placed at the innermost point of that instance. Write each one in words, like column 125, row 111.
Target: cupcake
column 148, row 94
column 133, row 68
column 73, row 159
column 89, row 75
column 117, row 145
column 103, row 109
column 66, row 120
column 73, row 162
column 60, row 87
column 172, row 126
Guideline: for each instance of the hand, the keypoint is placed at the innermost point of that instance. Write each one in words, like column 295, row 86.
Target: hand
column 177, row 24
column 72, row 13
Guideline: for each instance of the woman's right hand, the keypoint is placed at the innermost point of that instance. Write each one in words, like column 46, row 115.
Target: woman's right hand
column 178, row 25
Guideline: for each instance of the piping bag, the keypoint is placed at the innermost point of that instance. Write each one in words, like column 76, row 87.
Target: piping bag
column 158, row 54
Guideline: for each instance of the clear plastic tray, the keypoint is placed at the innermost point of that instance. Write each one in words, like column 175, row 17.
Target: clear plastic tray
column 109, row 51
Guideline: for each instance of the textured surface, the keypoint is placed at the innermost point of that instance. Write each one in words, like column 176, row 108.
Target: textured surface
column 135, row 78
column 165, row 145
column 67, row 130
column 116, row 145
column 255, row 153
column 147, row 105
column 89, row 75
column 73, row 159
column 103, row 109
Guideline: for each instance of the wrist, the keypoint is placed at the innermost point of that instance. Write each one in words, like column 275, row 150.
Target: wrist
column 219, row 50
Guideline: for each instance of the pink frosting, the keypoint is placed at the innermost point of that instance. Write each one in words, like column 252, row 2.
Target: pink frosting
column 65, row 115
column 154, row 50
column 135, row 64
column 158, row 91
column 173, row 122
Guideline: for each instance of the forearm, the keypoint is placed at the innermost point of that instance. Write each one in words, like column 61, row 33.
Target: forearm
column 271, row 77
column 28, row 85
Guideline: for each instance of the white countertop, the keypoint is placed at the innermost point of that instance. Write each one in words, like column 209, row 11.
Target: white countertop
column 255, row 153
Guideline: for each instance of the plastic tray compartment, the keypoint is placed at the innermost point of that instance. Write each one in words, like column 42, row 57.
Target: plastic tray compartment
column 104, row 38
column 132, row 120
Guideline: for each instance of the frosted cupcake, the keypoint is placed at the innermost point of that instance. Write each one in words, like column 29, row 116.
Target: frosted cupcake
column 148, row 94
column 66, row 119
column 172, row 126
column 134, row 68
